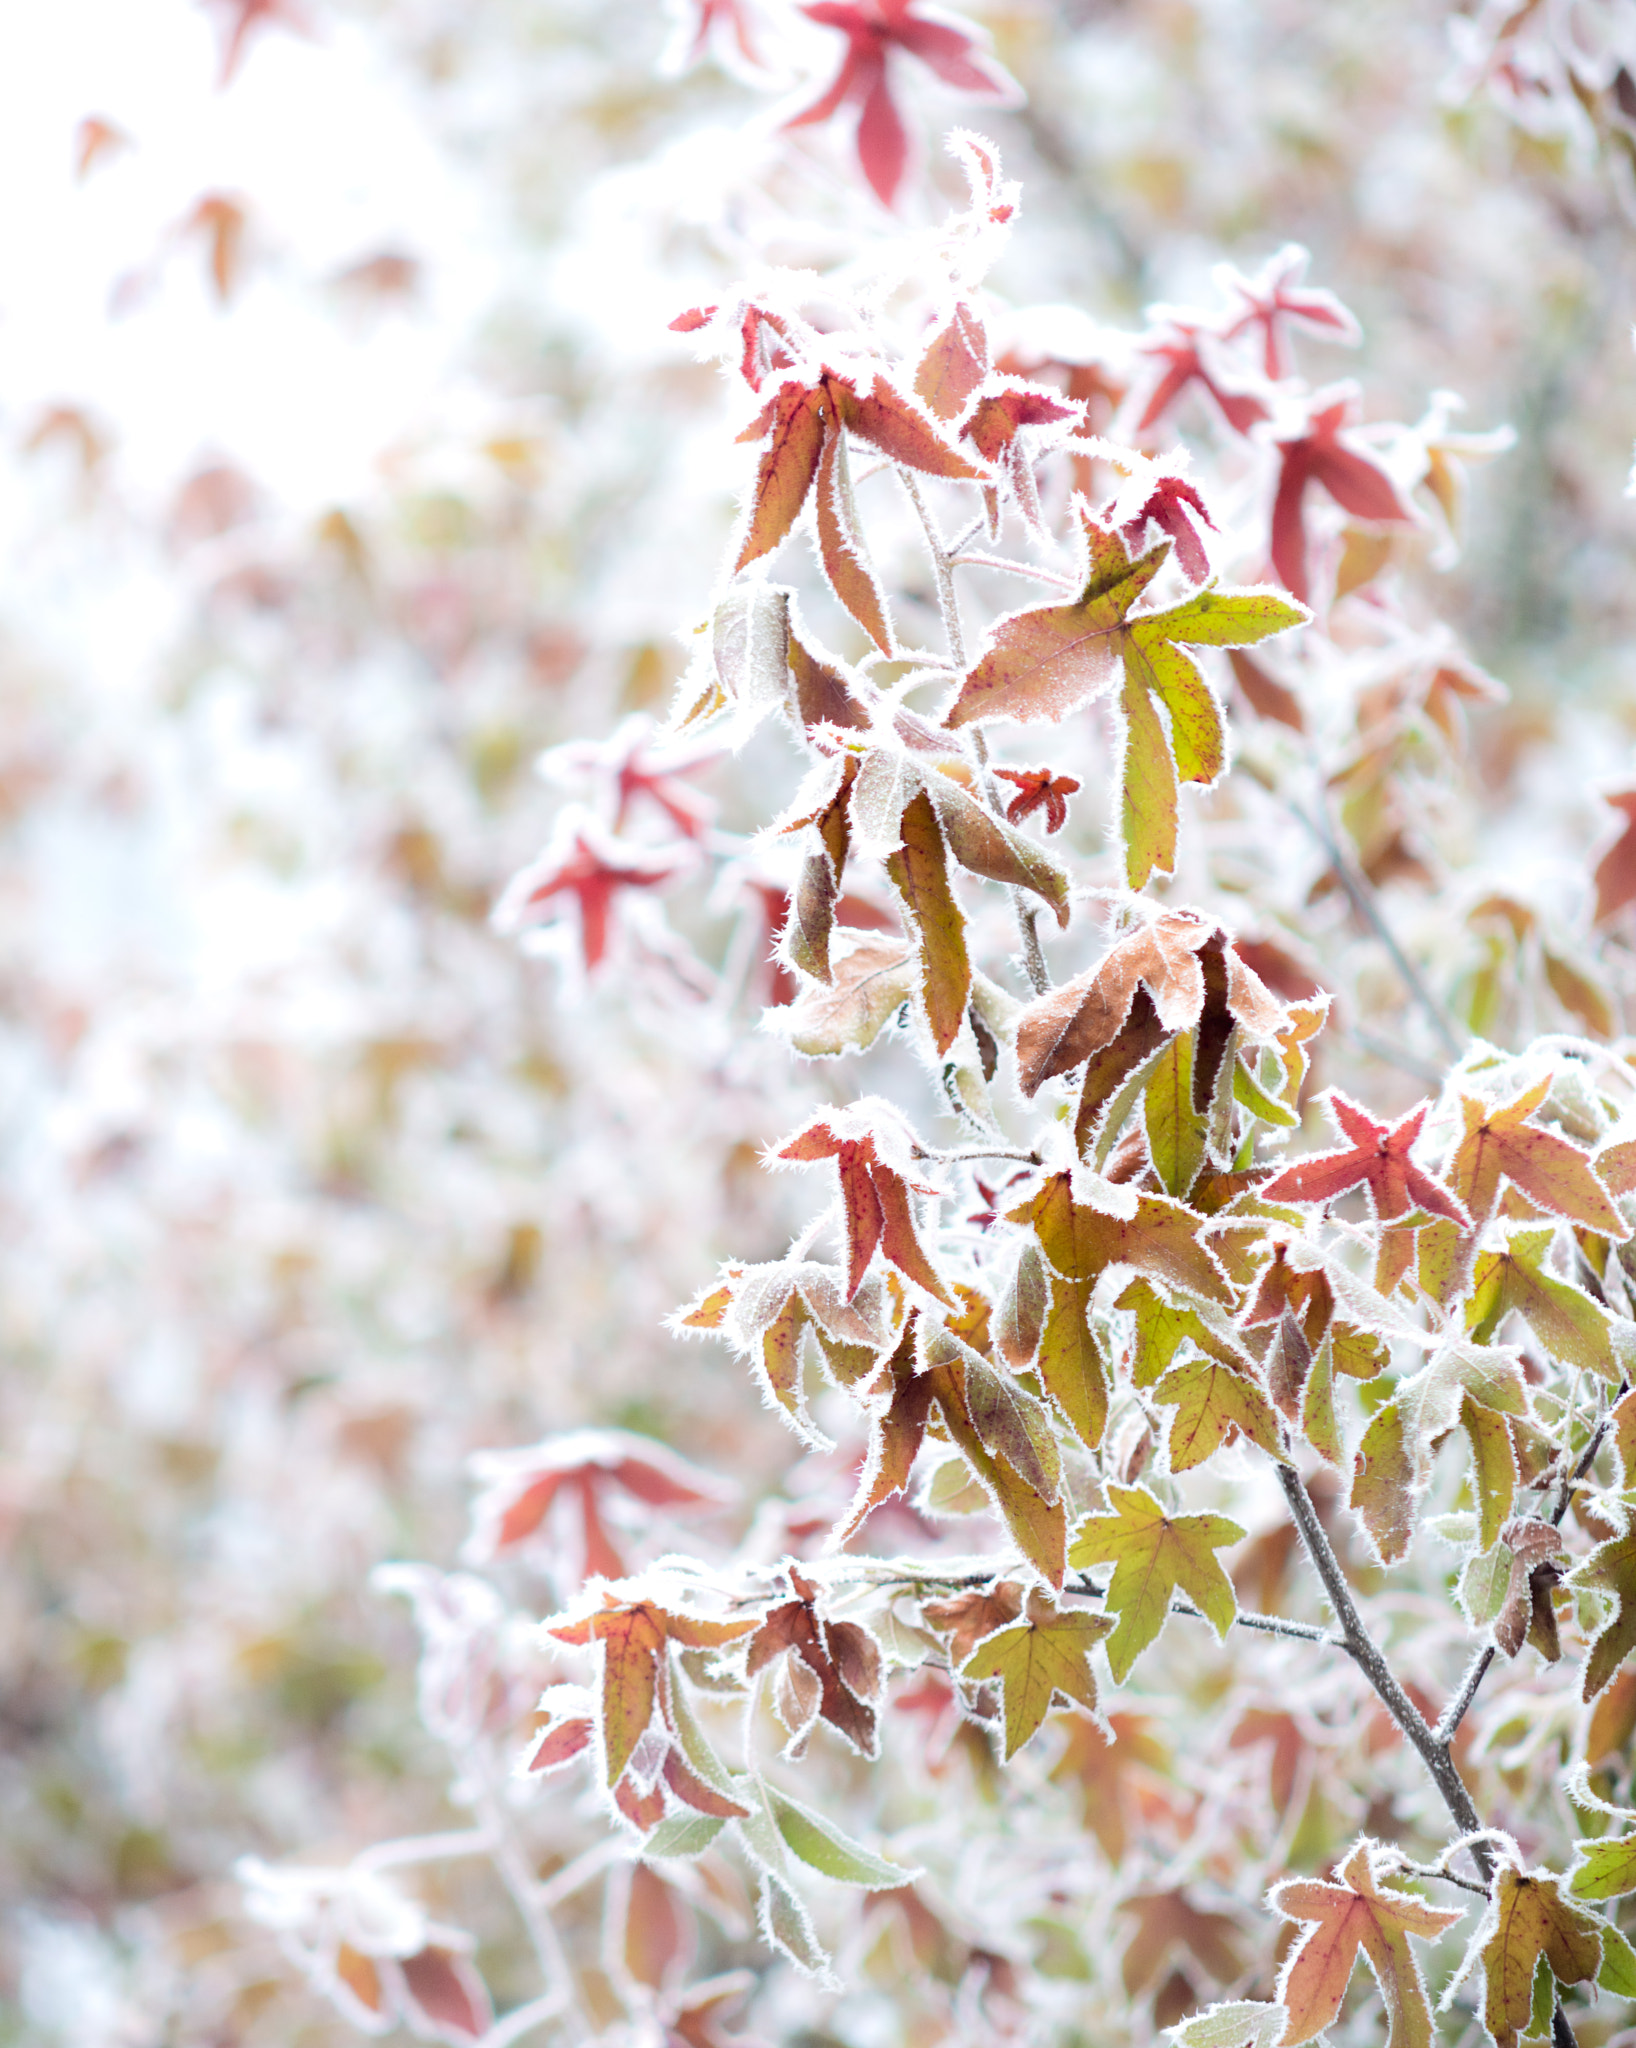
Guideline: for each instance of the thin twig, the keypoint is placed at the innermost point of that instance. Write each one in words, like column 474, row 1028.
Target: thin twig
column 1435, row 1755
column 1477, row 1669
column 1361, row 896
column 949, row 605
column 936, row 1158
column 1442, row 1876
column 1267, row 1624
column 523, row 1886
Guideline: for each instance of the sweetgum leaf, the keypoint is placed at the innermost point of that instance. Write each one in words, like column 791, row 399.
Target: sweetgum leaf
column 1499, row 1143
column 1070, row 1363
column 1160, row 1240
column 1045, row 662
column 634, row 1640
column 1610, row 1568
column 1377, row 1160
column 1530, row 1918
column 1154, row 1554
column 1073, row 1023
column 919, row 872
column 1175, row 1129
column 1214, row 1403
column 1572, row 1327
column 841, row 546
column 867, row 988
column 794, row 423
column 1039, row 1660
column 1341, row 1919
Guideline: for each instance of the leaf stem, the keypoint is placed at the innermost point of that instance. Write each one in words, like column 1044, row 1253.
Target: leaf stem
column 936, row 1158
column 1268, row 1624
column 965, row 560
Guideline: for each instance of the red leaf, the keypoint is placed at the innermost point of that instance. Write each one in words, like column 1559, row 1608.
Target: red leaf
column 873, row 30
column 451, row 1999
column 1616, row 870
column 1351, row 475
column 1377, row 1159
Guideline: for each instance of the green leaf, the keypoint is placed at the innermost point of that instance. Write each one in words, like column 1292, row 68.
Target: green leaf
column 1241, row 2023
column 1318, row 1421
column 1225, row 618
column 1383, row 1484
column 1212, row 1400
column 1484, row 1582
column 1153, row 1554
column 1148, row 805
column 988, row 846
column 788, row 1926
column 1493, row 1466
column 1572, row 1327
column 823, row 1847
column 1175, row 1129
column 1039, row 1660
column 1618, row 1971
column 1070, row 1362
column 1248, row 1091
column 682, row 1834
column 1606, row 1870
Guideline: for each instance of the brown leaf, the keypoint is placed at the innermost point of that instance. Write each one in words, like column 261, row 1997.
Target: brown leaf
column 954, row 364
column 920, row 874
column 1072, row 1023
column 841, row 547
column 794, row 422
column 1532, row 1546
column 967, row 1617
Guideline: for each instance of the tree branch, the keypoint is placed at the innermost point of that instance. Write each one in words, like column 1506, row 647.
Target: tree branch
column 1361, row 896
column 1371, row 1661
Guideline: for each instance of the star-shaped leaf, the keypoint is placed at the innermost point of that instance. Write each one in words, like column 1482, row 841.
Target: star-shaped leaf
column 1340, row 1919
column 1153, row 1554
column 1038, row 789
column 634, row 1638
column 875, row 30
column 1161, row 1239
column 872, row 1152
column 1499, row 1143
column 840, row 1664
column 1039, row 1660
column 1530, row 1916
column 1377, row 1160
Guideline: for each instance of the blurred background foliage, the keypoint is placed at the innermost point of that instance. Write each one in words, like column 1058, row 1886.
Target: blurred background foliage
column 345, row 463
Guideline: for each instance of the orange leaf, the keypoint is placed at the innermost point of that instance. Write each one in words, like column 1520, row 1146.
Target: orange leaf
column 1341, row 1919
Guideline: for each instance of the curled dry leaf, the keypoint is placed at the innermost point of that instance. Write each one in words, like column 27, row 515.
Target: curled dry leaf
column 1070, row 1024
